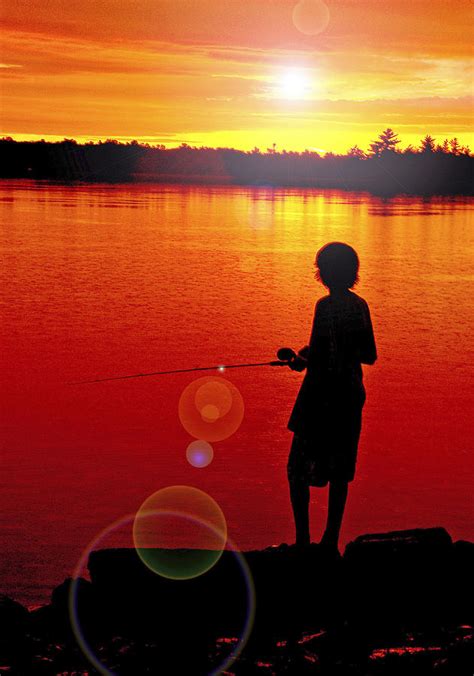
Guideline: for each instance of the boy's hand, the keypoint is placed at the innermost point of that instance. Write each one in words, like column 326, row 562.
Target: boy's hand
column 304, row 352
column 298, row 364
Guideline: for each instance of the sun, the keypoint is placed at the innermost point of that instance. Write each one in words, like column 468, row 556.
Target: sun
column 293, row 84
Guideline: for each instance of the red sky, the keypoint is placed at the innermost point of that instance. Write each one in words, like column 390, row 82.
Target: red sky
column 237, row 72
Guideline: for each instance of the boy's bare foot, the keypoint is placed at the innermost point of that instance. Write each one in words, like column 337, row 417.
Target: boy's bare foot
column 329, row 544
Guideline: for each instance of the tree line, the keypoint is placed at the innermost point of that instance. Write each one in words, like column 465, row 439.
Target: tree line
column 436, row 168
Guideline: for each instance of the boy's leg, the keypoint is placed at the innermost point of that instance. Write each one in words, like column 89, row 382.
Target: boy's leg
column 336, row 505
column 299, row 494
column 299, row 489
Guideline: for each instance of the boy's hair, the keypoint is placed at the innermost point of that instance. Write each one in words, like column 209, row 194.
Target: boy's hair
column 337, row 265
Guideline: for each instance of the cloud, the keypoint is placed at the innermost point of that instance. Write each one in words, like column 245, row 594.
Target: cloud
column 437, row 27
column 196, row 67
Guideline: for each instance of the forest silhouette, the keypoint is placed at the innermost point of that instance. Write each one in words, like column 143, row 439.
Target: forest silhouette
column 430, row 168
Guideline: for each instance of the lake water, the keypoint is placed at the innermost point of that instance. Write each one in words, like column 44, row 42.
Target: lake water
column 100, row 280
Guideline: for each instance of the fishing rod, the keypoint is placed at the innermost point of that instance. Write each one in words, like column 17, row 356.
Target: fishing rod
column 284, row 354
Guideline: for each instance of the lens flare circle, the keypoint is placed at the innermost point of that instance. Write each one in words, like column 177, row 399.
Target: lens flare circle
column 214, row 394
column 210, row 413
column 311, row 17
column 81, row 567
column 211, row 408
column 179, row 532
column 199, row 453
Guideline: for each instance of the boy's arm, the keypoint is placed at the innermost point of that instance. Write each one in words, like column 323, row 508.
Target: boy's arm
column 304, row 352
column 367, row 349
column 300, row 362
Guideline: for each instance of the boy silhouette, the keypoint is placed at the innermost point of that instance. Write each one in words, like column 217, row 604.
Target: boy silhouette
column 327, row 415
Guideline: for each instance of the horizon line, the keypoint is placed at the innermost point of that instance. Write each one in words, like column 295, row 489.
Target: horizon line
column 158, row 143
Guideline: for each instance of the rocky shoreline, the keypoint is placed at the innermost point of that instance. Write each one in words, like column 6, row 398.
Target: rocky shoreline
column 395, row 603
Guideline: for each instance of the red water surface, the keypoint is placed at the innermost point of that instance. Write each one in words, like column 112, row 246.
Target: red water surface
column 103, row 280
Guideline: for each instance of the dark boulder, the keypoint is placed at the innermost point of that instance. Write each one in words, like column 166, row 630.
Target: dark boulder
column 14, row 624
column 388, row 602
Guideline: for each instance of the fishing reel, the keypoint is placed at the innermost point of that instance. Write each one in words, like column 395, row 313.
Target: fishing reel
column 286, row 354
column 288, row 357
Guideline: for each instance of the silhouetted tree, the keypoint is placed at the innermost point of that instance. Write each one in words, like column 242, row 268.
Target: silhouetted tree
column 386, row 142
column 454, row 146
column 427, row 144
column 443, row 147
column 355, row 151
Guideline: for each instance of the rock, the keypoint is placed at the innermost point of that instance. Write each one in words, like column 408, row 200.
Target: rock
column 386, row 588
column 13, row 615
column 412, row 544
column 403, row 580
column 14, row 622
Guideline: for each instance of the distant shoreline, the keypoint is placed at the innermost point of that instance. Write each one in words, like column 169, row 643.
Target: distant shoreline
column 385, row 173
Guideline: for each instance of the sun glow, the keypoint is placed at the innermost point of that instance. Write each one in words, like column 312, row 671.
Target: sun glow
column 144, row 75
column 293, row 84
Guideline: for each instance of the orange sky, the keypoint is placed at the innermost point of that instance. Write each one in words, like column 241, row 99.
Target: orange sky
column 237, row 72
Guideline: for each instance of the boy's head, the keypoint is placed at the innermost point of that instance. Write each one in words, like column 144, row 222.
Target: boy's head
column 337, row 266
